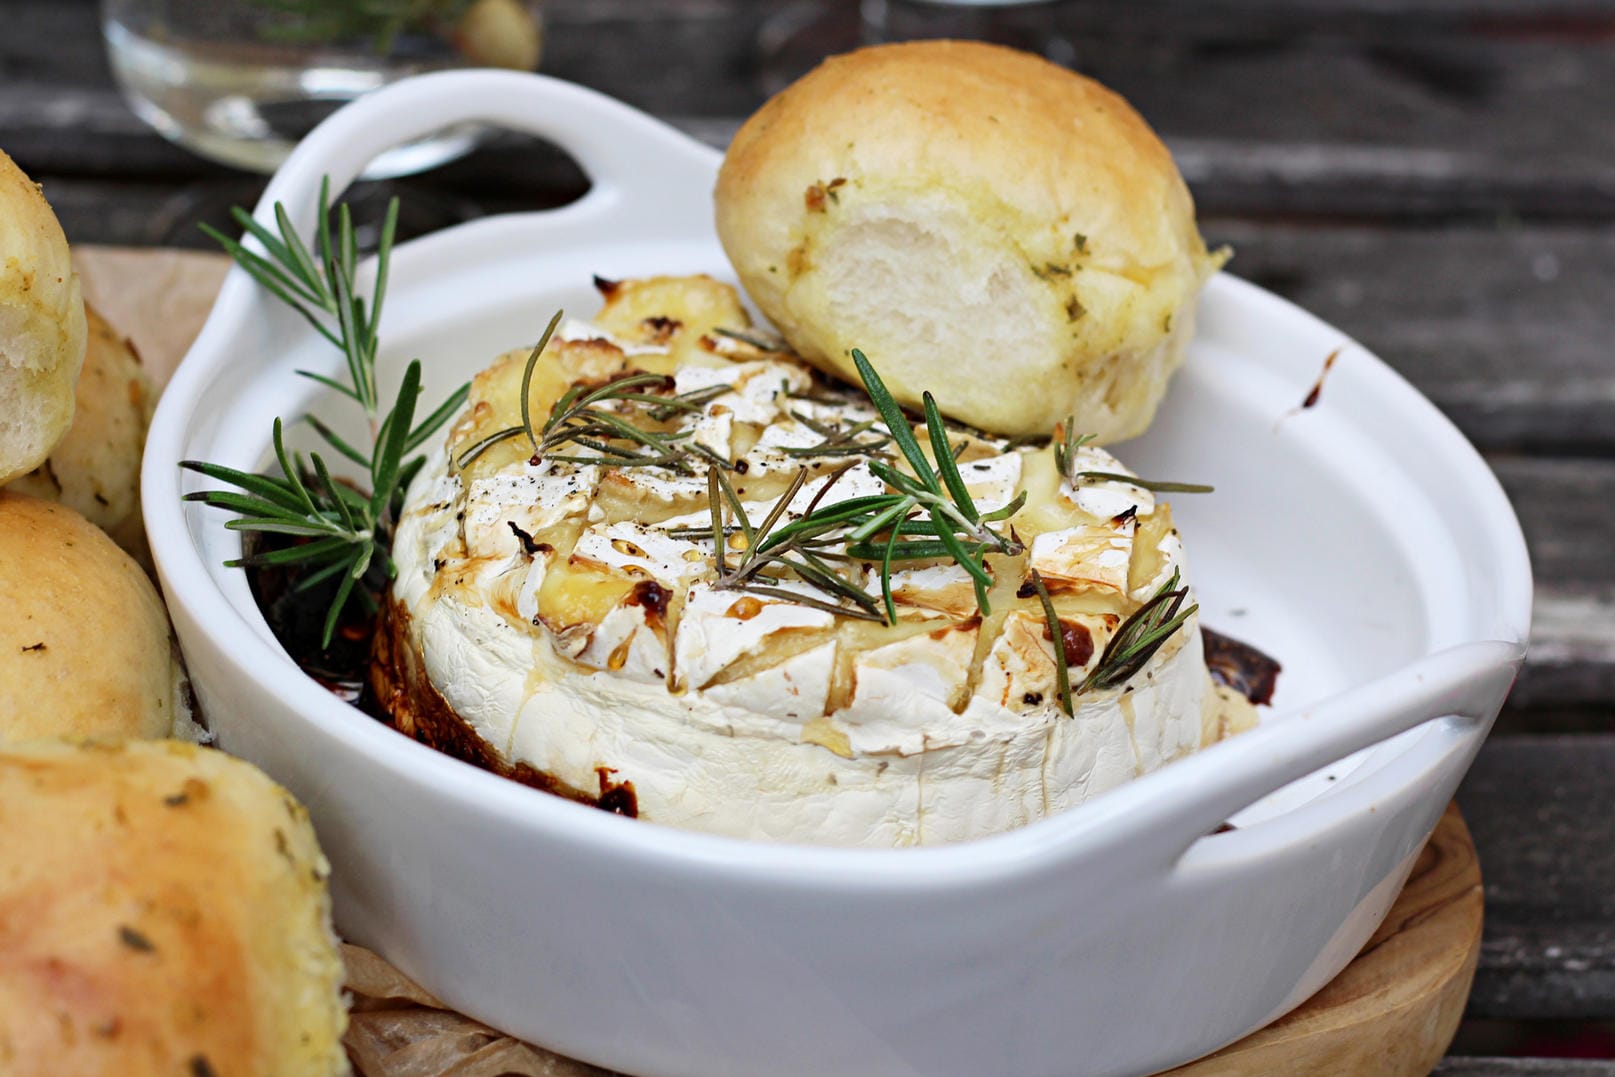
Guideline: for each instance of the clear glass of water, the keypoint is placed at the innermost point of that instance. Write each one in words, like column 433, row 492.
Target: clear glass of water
column 240, row 81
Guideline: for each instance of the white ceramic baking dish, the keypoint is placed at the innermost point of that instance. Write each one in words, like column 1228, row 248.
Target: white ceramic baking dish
column 1361, row 541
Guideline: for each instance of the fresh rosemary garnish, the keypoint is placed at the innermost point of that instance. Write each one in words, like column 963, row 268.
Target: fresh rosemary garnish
column 1062, row 672
column 927, row 516
column 1130, row 649
column 338, row 531
column 811, row 396
column 960, row 529
column 1147, row 484
column 692, row 401
column 762, row 344
column 1066, row 443
column 838, row 440
column 583, row 416
column 758, row 554
column 1140, row 636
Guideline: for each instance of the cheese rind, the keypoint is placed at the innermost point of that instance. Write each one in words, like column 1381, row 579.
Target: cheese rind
column 759, row 716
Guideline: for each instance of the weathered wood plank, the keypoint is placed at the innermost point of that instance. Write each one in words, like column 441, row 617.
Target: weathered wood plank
column 1572, row 660
column 1564, row 507
column 1344, row 107
column 1516, row 11
column 1567, row 510
column 1542, row 811
column 1341, row 108
column 1506, row 327
column 87, row 130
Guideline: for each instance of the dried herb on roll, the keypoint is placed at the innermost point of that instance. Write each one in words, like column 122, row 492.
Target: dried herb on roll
column 95, row 468
column 42, row 328
column 165, row 911
column 85, row 646
column 1000, row 231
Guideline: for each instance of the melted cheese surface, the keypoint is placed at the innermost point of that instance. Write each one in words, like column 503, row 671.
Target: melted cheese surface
column 571, row 613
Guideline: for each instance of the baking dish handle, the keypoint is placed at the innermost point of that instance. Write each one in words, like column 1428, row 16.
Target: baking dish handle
column 635, row 163
column 1465, row 684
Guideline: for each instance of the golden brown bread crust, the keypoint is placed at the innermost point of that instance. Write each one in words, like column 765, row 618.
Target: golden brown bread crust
column 85, row 647
column 95, row 468
column 163, row 910
column 41, row 325
column 982, row 223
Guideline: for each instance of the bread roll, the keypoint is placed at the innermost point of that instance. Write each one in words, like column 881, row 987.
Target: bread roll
column 163, row 910
column 85, row 647
column 41, row 325
column 981, row 223
column 95, row 469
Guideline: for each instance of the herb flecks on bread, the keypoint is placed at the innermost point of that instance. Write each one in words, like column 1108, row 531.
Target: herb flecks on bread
column 42, row 329
column 163, row 910
column 998, row 230
column 85, row 646
column 95, row 468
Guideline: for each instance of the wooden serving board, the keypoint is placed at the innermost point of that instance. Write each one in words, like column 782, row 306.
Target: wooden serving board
column 1391, row 1013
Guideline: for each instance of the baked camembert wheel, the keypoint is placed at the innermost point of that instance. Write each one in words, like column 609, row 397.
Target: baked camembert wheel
column 560, row 613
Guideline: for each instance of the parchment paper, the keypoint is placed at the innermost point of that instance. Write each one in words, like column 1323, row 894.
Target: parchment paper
column 397, row 1029
column 159, row 300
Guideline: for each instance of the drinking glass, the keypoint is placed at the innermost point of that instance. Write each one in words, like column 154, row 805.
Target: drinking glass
column 240, row 81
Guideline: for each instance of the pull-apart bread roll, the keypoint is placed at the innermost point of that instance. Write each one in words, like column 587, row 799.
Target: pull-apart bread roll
column 985, row 224
column 95, row 468
column 85, row 647
column 163, row 911
column 41, row 326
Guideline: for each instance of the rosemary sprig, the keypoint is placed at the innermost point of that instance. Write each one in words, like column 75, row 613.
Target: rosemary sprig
column 694, row 400
column 744, row 575
column 1066, row 443
column 1062, row 672
column 950, row 514
column 337, row 531
column 931, row 508
column 584, row 417
column 323, row 289
column 762, row 344
column 1129, row 650
column 1140, row 636
column 838, row 440
column 1148, row 484
column 826, row 398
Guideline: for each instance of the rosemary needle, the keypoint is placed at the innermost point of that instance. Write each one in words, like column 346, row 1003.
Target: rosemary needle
column 338, row 532
column 1066, row 443
column 1062, row 672
column 1140, row 636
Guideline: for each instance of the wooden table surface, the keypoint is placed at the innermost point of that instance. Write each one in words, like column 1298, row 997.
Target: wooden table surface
column 1436, row 177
